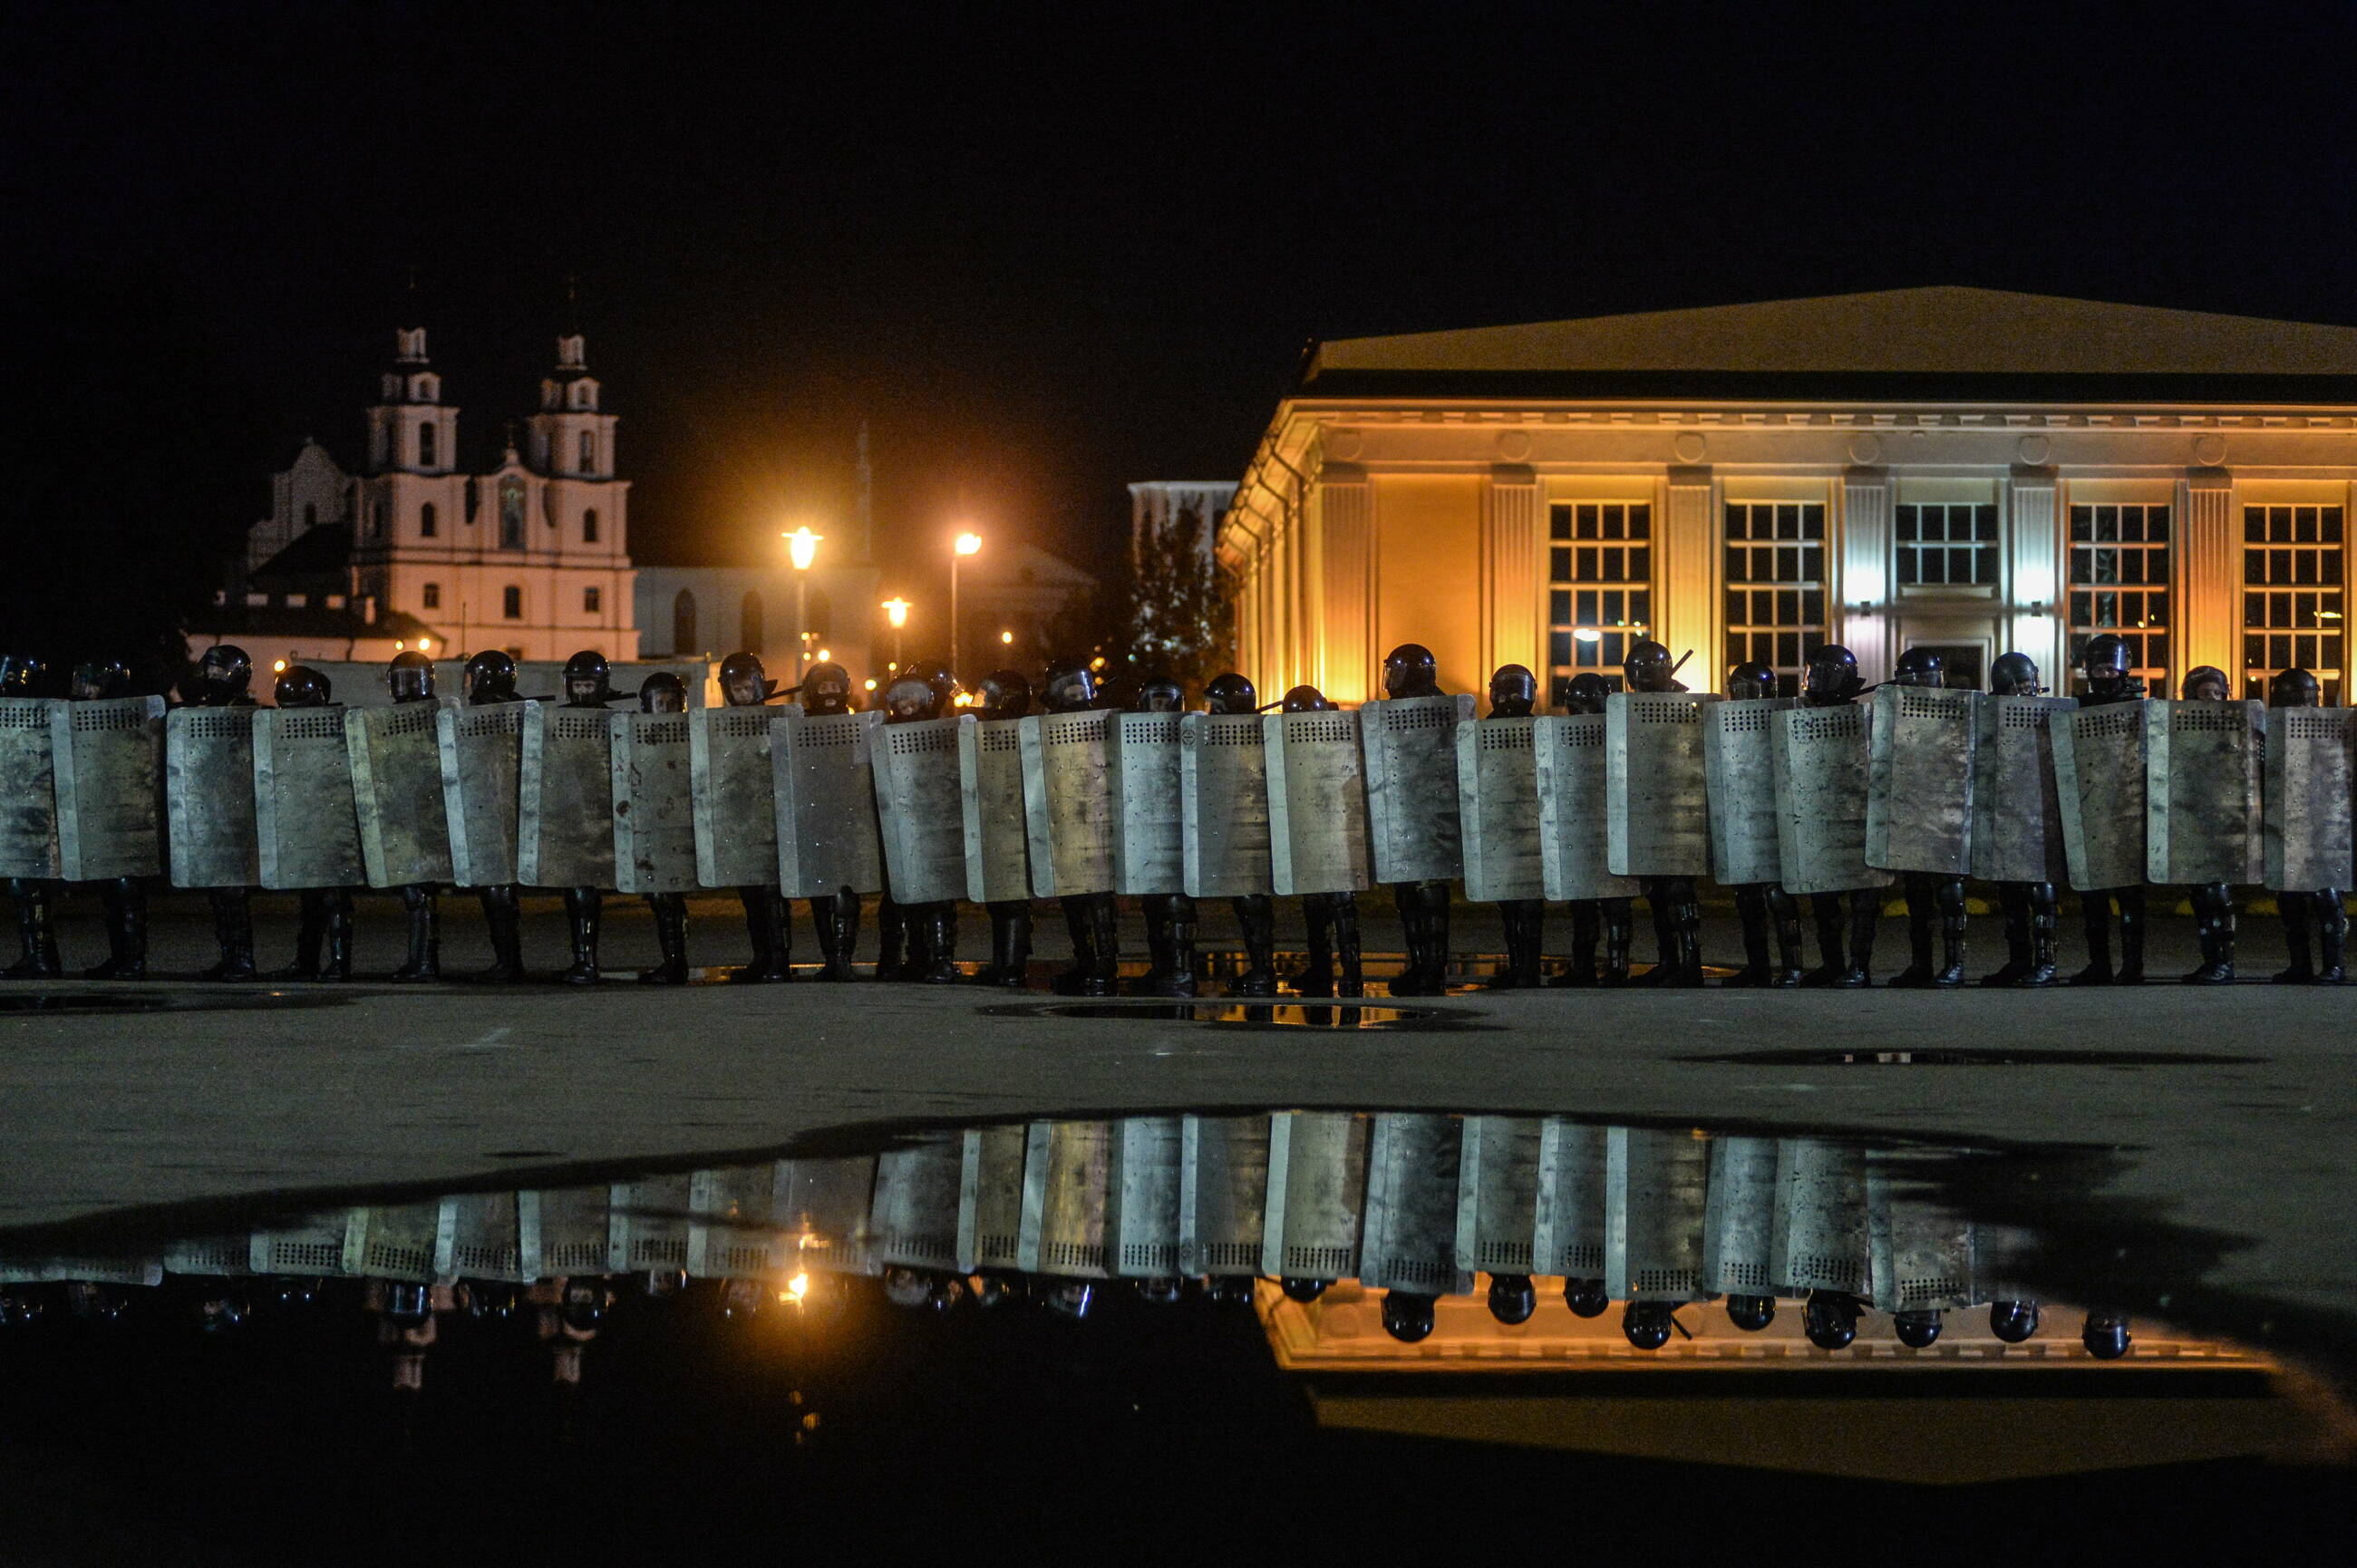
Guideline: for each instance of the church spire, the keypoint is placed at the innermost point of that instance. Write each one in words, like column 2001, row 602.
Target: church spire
column 866, row 542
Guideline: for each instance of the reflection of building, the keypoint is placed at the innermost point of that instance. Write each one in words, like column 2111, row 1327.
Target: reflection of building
column 1156, row 504
column 1951, row 465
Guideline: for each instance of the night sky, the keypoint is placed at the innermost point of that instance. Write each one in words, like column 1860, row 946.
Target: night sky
column 1043, row 257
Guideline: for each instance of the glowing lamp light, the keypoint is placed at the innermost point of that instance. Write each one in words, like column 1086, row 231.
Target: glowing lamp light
column 1006, row 636
column 871, row 686
column 279, row 666
column 969, row 544
column 824, row 657
column 896, row 611
column 802, row 547
column 1587, row 634
column 424, row 645
column 398, row 645
column 797, row 1288
column 1098, row 663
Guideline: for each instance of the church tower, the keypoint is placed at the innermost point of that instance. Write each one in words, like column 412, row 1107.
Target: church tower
column 570, row 439
column 411, row 431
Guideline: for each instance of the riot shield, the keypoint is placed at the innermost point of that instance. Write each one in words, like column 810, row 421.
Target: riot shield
column 1498, row 808
column 990, row 790
column 1316, row 803
column 2307, row 820
column 731, row 1235
column 306, row 825
column 2099, row 779
column 482, row 761
column 209, row 797
column 1922, row 1256
column 312, row 1245
column 393, row 1242
column 1223, row 805
column 1142, row 761
column 1738, row 1216
column 1823, row 763
column 918, row 800
column 821, row 1206
column 1409, row 1241
column 735, row 792
column 475, row 1234
column 1068, row 803
column 1818, row 1240
column 1413, row 831
column 912, row 1220
column 2017, row 811
column 564, row 797
column 990, row 1197
column 563, row 1230
column 1064, row 1174
column 1567, row 1230
column 1222, row 1189
column 1657, row 812
column 109, row 762
column 647, row 1224
column 1141, row 1212
column 654, row 804
column 29, row 823
column 1919, row 805
column 397, row 760
column 2203, row 764
column 1498, row 1194
column 1738, row 766
column 826, row 787
column 1653, row 1195
column 221, row 1257
column 1574, row 842
column 1316, row 1192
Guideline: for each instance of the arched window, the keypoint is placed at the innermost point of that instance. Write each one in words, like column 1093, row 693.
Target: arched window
column 683, row 623
column 310, row 515
column 589, row 525
column 426, row 444
column 511, row 603
column 748, row 620
column 431, row 596
column 819, row 615
column 588, row 451
column 429, row 521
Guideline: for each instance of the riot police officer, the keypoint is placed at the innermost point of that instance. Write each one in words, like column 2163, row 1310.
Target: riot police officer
column 589, row 684
column 1760, row 905
column 1930, row 895
column 2106, row 662
column 665, row 693
column 2325, row 910
column 1332, row 919
column 1830, row 682
column 1070, row 687
column 1677, row 913
column 36, row 935
column 2213, row 902
column 769, row 919
column 1411, row 670
column 325, row 912
column 1513, row 694
column 1007, row 695
column 1169, row 917
column 2030, row 908
column 491, row 678
column 1256, row 912
column 410, row 679
column 124, row 899
column 1614, row 919
column 826, row 692
column 222, row 680
column 929, row 929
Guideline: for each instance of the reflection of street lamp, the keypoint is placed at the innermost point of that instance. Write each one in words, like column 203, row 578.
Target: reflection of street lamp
column 802, row 549
column 895, row 612
column 967, row 545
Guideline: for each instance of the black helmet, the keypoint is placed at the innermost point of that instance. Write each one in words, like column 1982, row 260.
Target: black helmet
column 1921, row 667
column 23, row 676
column 2295, row 688
column 2104, row 655
column 2202, row 675
column 1586, row 1298
column 1648, row 1324
column 1410, row 670
column 1068, row 686
column 1229, row 1290
column 1751, row 1312
column 1512, row 1298
column 1070, row 1298
column 937, row 676
column 1830, row 1320
column 1163, row 1290
column 909, row 698
column 1306, row 700
column 1232, row 693
column 490, row 677
column 1302, row 1289
column 1647, row 666
column 663, row 693
column 1917, row 1330
column 1513, row 693
column 1749, row 682
column 1006, row 694
column 916, row 1289
column 1587, row 693
column 583, row 1305
column 588, row 680
column 826, row 688
column 410, row 677
column 2015, row 675
column 2013, row 1321
column 101, row 679
column 1159, row 694
column 1831, row 674
column 407, row 1303
column 1407, row 1315
column 2106, row 1336
column 743, row 682
column 300, row 686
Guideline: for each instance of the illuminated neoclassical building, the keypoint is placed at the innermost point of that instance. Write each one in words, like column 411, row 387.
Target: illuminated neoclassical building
column 1954, row 466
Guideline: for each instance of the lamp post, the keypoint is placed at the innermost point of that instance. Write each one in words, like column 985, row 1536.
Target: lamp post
column 802, row 549
column 896, row 611
column 966, row 544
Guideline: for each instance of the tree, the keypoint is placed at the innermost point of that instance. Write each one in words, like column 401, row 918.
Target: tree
column 1179, row 620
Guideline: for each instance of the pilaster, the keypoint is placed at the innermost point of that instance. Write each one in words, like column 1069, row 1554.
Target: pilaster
column 1345, row 585
column 1863, row 618
column 2034, row 568
column 1510, row 568
column 2208, row 576
column 1685, row 570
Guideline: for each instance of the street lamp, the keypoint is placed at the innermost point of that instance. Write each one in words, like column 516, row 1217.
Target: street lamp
column 802, row 549
column 966, row 544
column 895, row 612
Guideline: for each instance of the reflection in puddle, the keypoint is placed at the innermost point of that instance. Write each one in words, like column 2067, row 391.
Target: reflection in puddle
column 1967, row 1056
column 1347, row 1014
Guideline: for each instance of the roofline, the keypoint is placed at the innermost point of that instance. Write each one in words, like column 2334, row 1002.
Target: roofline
column 2208, row 389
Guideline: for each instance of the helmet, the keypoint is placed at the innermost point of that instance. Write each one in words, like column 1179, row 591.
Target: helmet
column 663, row 693
column 1302, row 1289
column 2106, row 1336
column 2013, row 1321
column 1513, row 693
column 1306, row 700
column 2015, row 675
column 100, row 679
column 1647, row 1324
column 1919, row 1330
column 910, row 698
column 21, row 676
column 490, row 677
column 1410, row 670
column 743, row 682
column 1647, row 666
column 1229, row 1290
column 2106, row 655
column 1586, row 1298
column 407, row 1303
column 1068, row 686
column 1160, row 694
column 826, row 689
column 1162, row 1290
column 300, row 686
column 583, row 1305
column 1921, row 667
column 1830, row 1320
column 1006, row 694
column 588, row 680
column 1070, row 1298
column 2295, row 688
column 1750, row 682
column 2202, row 677
column 1587, row 693
column 1407, row 1315
column 1232, row 693
column 1831, row 674
column 937, row 676
column 410, row 677
column 916, row 1289
column 1751, row 1312
column 1512, row 1298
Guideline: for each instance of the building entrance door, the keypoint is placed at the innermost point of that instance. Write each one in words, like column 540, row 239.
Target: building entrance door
column 1967, row 645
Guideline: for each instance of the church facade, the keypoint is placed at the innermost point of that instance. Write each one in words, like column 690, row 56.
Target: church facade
column 1976, row 470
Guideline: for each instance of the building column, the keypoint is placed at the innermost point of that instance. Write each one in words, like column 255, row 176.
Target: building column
column 2209, row 578
column 1343, row 658
column 1862, row 621
column 1685, row 571
column 2035, row 569
column 1510, row 568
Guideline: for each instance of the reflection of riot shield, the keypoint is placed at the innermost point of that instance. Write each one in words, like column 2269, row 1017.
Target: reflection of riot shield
column 1068, row 803
column 654, row 804
column 396, row 758
column 2202, row 768
column 1922, row 1255
column 1818, row 1240
column 109, row 761
column 1222, row 1189
column 1656, row 799
column 736, row 796
column 922, row 818
column 1413, row 831
column 2017, row 811
column 912, row 1220
column 1739, row 1216
column 1064, row 1173
column 997, row 839
column 1654, row 1193
column 305, row 826
column 1498, row 808
column 2099, row 779
column 647, row 1224
column 223, row 1257
column 475, row 1234
column 209, row 797
column 1148, row 824
column 1223, row 794
column 564, row 1231
column 1317, row 1191
column 28, row 822
column 1739, row 764
column 1498, row 1194
column 83, row 1268
column 393, row 1243
column 990, row 1197
column 1141, row 1214
column 829, row 835
column 821, row 1206
column 2307, row 820
column 1316, row 803
column 1919, row 807
column 1575, row 842
column 564, row 794
column 1567, row 1234
column 1821, row 769
column 316, row 1245
column 731, row 1236
column 1409, row 1241
column 482, row 758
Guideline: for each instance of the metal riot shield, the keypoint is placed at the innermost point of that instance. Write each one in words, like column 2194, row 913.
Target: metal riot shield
column 997, row 836
column 1656, row 796
column 1654, row 1193
column 829, row 836
column 912, row 1219
column 2203, row 764
column 312, row 1245
column 223, row 1257
column 564, row 1231
column 2306, row 820
column 1142, row 764
column 1223, row 1191
column 396, row 760
column 2099, row 779
column 393, row 1242
column 482, row 760
column 2017, row 811
column 654, row 804
column 732, row 1235
column 1567, row 1230
column 1413, row 831
column 821, row 1206
column 1409, row 1242
column 28, row 821
column 1919, row 804
column 1574, row 842
column 1498, row 808
column 1223, row 805
column 1922, row 1256
column 1818, row 1240
column 109, row 761
column 1316, row 1192
column 1823, row 762
column 305, row 823
column 1316, row 803
column 736, row 796
column 476, row 1235
column 1498, row 1194
column 1738, row 746
column 564, row 797
column 646, row 1225
column 1738, row 1216
column 990, row 1196
column 923, row 817
column 1141, row 1212
column 1068, row 802
column 1064, row 1174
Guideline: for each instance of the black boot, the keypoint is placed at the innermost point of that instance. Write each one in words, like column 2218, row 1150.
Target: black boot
column 1865, row 918
column 2095, row 926
column 1685, row 932
column 938, row 928
column 125, row 900
column 2297, row 910
column 1833, row 960
column 1665, row 941
column 1525, row 920
column 1407, row 899
column 1156, row 980
column 1010, row 944
column 1105, row 940
column 310, row 933
column 891, row 938
column 2012, row 899
column 1785, row 911
column 2331, row 937
column 1087, row 977
column 1317, row 976
column 37, row 932
column 232, row 933
column 584, row 909
column 1348, row 979
column 768, row 925
column 2213, row 917
column 836, row 920
column 338, row 966
column 424, row 911
column 1619, row 936
column 1751, row 909
column 503, row 916
column 1256, row 916
column 2045, row 918
column 1178, row 958
column 2132, row 928
column 1586, row 927
column 1948, row 897
column 1920, row 913
column 671, row 939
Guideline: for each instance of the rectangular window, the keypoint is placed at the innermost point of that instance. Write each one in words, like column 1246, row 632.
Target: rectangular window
column 431, row 596
column 1946, row 545
column 1775, row 585
column 2119, row 584
column 511, row 603
column 591, row 600
column 429, row 521
column 1600, row 589
column 2291, row 594
column 589, row 525
column 426, row 444
column 588, row 452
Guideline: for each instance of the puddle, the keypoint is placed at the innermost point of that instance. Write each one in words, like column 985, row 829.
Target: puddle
column 1348, row 1013
column 1975, row 1057
column 120, row 999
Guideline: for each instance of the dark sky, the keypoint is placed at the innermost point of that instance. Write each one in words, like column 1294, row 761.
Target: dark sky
column 1043, row 257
